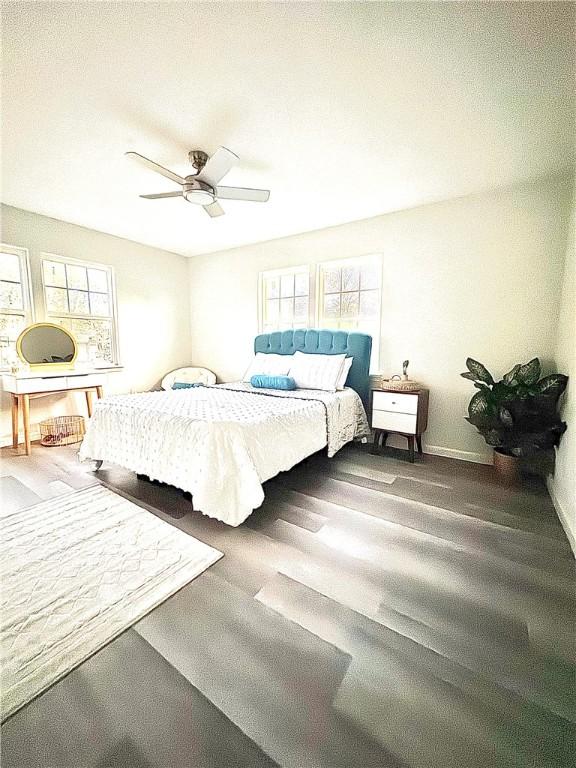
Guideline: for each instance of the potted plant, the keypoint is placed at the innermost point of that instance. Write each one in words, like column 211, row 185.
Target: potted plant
column 518, row 415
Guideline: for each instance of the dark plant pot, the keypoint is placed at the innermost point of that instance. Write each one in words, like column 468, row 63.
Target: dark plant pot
column 508, row 468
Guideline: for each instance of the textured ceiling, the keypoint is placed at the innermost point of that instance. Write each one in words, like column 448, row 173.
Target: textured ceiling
column 343, row 110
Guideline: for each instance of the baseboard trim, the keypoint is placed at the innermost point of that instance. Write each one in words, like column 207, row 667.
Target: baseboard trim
column 454, row 453
column 562, row 513
column 434, row 450
column 6, row 440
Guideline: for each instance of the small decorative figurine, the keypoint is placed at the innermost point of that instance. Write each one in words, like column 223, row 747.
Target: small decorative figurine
column 405, row 369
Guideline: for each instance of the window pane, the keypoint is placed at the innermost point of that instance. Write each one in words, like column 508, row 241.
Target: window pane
column 369, row 304
column 11, row 295
column 272, row 311
column 12, row 325
column 332, row 305
column 98, row 280
column 331, row 281
column 273, row 287
column 370, row 276
column 301, row 283
column 350, row 304
column 97, row 334
column 350, row 279
column 9, row 267
column 301, row 308
column 287, row 285
column 77, row 277
column 286, row 310
column 78, row 302
column 99, row 304
column 10, row 328
column 56, row 300
column 54, row 274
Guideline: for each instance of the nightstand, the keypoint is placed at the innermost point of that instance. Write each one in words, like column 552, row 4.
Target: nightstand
column 400, row 413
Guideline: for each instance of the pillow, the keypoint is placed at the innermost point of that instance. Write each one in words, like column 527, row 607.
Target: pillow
column 345, row 370
column 186, row 384
column 316, row 371
column 271, row 365
column 261, row 380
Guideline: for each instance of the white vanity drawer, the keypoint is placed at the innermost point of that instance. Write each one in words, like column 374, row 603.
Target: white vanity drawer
column 29, row 385
column 390, row 401
column 89, row 380
column 37, row 384
column 394, row 422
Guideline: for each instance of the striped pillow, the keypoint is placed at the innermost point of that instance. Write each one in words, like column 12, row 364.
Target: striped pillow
column 268, row 364
column 316, row 371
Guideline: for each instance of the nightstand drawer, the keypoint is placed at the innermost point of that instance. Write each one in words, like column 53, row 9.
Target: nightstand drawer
column 390, row 401
column 394, row 422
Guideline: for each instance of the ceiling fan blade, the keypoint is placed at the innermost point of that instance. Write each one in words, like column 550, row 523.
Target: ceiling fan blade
column 214, row 209
column 160, row 195
column 242, row 193
column 155, row 167
column 218, row 166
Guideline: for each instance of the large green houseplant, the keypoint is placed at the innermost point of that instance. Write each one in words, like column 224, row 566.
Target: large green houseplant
column 518, row 415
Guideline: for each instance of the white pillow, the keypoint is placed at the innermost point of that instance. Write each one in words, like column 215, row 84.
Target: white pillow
column 345, row 370
column 270, row 365
column 316, row 371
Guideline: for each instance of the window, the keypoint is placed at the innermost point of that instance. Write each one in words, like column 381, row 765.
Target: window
column 349, row 297
column 284, row 300
column 15, row 300
column 80, row 296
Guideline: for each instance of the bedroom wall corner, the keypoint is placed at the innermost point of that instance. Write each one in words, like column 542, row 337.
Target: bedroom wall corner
column 562, row 484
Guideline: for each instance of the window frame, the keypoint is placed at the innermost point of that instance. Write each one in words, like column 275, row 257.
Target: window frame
column 280, row 272
column 58, row 316
column 377, row 260
column 27, row 311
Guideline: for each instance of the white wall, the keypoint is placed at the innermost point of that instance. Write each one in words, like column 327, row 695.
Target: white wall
column 153, row 304
column 476, row 276
column 563, row 484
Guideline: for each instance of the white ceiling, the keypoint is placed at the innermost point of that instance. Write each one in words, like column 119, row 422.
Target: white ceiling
column 343, row 110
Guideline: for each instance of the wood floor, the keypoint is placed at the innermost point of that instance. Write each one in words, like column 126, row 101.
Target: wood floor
column 372, row 613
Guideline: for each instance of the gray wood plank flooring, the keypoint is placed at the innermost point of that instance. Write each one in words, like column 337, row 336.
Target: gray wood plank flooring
column 372, row 613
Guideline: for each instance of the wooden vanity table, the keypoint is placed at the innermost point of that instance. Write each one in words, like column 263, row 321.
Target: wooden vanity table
column 48, row 352
column 25, row 386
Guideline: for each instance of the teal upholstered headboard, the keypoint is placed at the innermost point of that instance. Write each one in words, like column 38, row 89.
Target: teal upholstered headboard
column 355, row 345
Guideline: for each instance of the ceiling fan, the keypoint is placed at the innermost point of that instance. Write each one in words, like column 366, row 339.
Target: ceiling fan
column 201, row 188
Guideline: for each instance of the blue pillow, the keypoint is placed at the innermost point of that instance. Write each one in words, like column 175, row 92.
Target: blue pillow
column 263, row 381
column 186, row 385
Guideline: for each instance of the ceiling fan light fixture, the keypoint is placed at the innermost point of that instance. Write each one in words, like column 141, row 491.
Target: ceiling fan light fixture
column 198, row 192
column 199, row 197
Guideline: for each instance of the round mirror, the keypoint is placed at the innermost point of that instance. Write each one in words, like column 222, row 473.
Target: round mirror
column 46, row 345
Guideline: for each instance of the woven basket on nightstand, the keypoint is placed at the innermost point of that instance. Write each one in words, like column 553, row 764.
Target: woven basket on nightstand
column 401, row 385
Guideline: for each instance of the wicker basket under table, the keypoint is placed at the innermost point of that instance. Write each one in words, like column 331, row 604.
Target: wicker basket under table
column 62, row 430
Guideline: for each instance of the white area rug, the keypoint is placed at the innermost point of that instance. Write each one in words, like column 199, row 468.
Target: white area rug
column 76, row 571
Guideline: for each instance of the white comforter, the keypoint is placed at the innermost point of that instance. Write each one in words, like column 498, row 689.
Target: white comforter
column 221, row 443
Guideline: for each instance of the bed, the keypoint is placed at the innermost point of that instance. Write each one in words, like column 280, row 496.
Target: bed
column 222, row 442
